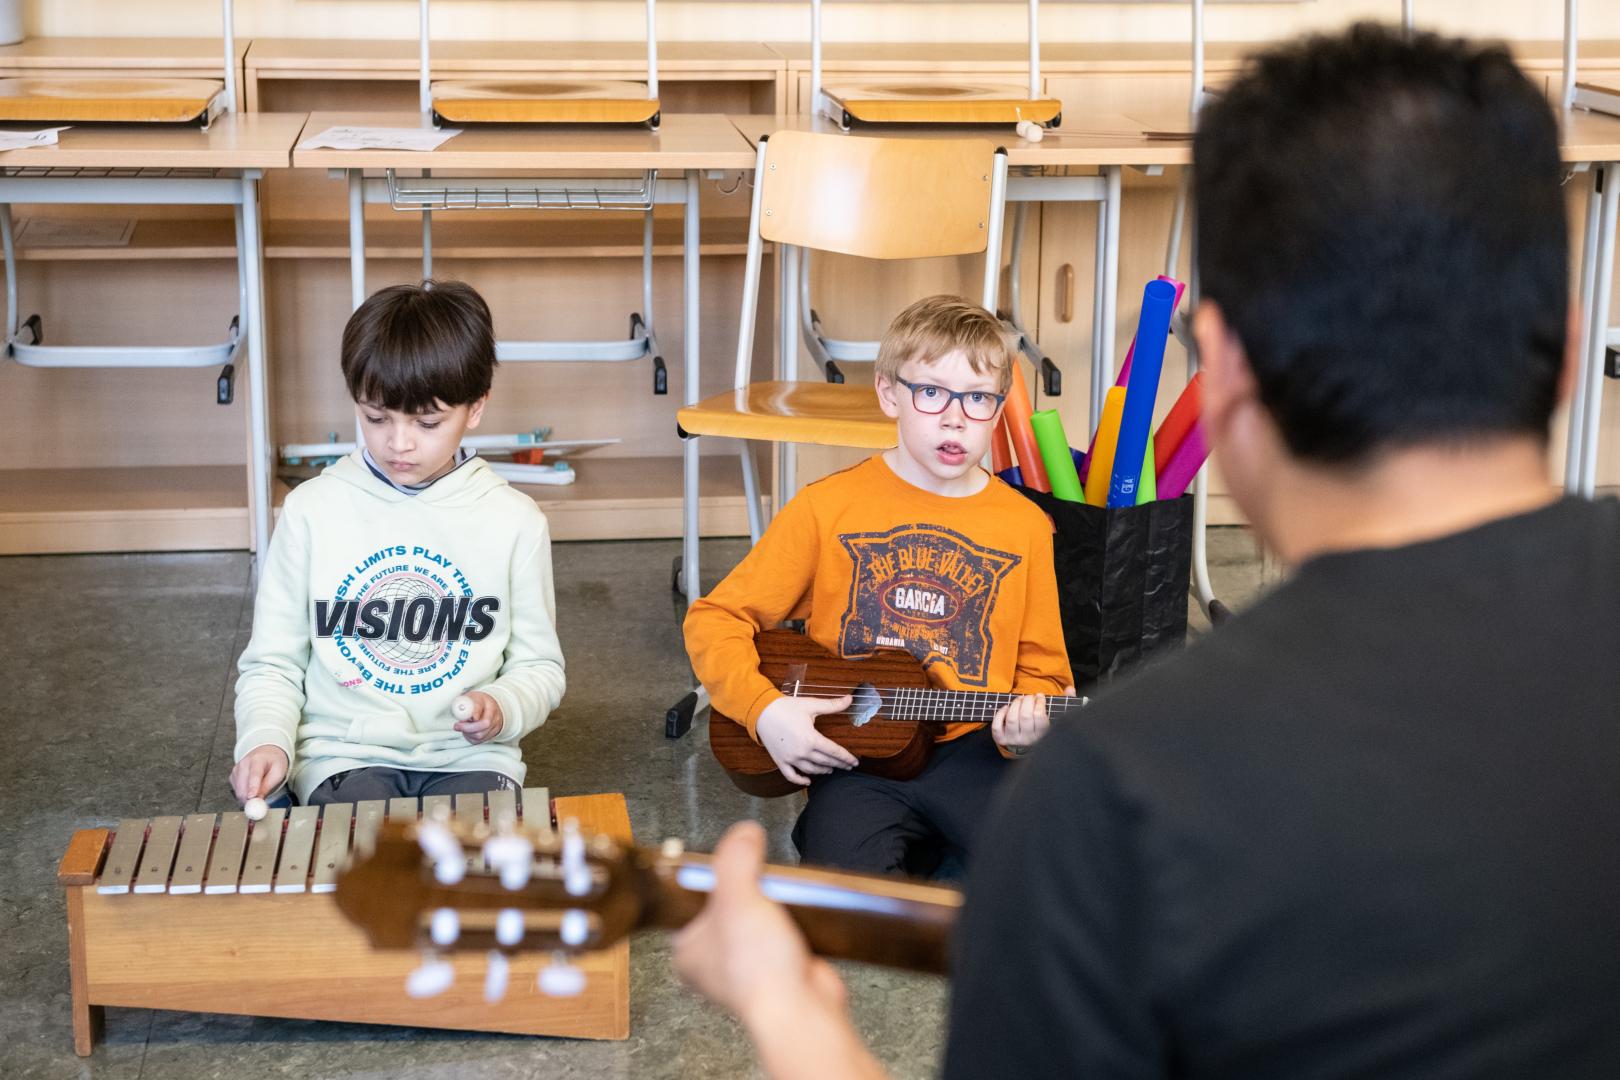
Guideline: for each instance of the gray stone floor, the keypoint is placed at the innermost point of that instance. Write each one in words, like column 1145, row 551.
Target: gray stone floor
column 118, row 672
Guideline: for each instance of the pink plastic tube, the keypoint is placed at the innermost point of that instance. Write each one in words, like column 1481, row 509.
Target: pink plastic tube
column 1184, row 464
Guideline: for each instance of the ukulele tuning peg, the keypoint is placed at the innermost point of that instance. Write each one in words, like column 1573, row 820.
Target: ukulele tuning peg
column 445, row 927
column 561, row 979
column 509, row 927
column 512, row 857
column 496, row 976
column 575, row 928
column 431, row 979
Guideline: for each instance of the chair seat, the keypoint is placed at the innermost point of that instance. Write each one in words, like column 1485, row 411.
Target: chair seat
column 827, row 414
column 112, row 100
column 942, row 103
column 508, row 101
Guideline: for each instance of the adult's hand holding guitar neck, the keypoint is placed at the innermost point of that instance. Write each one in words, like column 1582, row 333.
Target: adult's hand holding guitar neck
column 787, row 731
column 744, row 954
column 261, row 770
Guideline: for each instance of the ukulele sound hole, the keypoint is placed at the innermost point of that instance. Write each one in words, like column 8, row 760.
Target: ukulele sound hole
column 866, row 705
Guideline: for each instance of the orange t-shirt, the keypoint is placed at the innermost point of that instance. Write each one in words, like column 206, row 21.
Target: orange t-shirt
column 966, row 585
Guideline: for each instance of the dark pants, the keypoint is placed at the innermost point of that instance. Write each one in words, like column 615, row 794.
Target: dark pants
column 924, row 826
column 377, row 782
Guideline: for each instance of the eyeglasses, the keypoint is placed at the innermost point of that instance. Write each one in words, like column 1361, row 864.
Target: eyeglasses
column 932, row 400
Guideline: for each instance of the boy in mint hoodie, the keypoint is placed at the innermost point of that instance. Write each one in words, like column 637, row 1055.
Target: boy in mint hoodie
column 403, row 576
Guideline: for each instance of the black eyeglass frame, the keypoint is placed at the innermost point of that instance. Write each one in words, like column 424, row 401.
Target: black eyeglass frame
column 954, row 395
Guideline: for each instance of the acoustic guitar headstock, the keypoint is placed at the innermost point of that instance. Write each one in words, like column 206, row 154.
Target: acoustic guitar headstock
column 500, row 888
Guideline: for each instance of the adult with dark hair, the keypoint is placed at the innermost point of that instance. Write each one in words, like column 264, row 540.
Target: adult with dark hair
column 1369, row 827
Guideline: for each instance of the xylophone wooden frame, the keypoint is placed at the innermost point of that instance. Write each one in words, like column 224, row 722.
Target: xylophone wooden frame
column 293, row 954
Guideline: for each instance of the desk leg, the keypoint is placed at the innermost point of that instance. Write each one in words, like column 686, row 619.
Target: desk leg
column 787, row 363
column 1596, row 340
column 1573, row 462
column 357, row 237
column 258, row 367
column 1098, row 389
column 689, row 447
column 1110, row 282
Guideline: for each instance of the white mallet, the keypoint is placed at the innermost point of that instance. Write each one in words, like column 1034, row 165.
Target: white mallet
column 1030, row 130
column 462, row 707
column 255, row 809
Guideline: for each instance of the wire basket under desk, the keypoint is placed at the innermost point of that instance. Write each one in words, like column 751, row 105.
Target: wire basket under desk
column 521, row 193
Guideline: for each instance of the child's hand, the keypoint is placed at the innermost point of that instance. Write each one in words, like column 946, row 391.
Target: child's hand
column 1020, row 724
column 787, row 731
column 486, row 719
column 261, row 770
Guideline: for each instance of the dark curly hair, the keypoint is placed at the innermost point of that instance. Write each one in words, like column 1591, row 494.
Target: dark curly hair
column 1381, row 219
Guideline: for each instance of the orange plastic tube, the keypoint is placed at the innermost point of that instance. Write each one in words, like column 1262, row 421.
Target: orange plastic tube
column 1178, row 421
column 1017, row 414
column 1102, row 454
column 1001, row 458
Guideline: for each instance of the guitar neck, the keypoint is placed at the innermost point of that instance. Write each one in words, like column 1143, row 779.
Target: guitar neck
column 962, row 706
column 880, row 920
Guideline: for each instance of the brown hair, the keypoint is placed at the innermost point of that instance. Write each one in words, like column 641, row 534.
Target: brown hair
column 937, row 325
column 411, row 347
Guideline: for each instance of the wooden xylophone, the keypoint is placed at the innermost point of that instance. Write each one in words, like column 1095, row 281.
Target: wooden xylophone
column 214, row 913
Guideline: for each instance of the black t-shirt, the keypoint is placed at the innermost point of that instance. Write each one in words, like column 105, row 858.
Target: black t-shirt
column 1370, row 828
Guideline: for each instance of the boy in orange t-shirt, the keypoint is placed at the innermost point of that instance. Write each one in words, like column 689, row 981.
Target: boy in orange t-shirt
column 916, row 548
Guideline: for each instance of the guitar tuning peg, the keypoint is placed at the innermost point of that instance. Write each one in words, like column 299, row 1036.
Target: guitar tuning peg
column 445, row 927
column 561, row 979
column 512, row 857
column 441, row 845
column 576, row 927
column 496, row 976
column 576, row 872
column 509, row 927
column 431, row 979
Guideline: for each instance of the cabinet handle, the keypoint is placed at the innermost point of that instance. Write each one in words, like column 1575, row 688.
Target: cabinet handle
column 1065, row 293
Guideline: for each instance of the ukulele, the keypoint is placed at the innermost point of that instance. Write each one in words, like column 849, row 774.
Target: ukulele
column 504, row 888
column 889, row 726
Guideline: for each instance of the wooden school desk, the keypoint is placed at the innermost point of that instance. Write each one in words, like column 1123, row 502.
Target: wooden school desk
column 688, row 144
column 108, row 508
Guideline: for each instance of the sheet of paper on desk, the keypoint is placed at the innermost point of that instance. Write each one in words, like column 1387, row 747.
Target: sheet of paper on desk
column 16, row 140
column 377, row 138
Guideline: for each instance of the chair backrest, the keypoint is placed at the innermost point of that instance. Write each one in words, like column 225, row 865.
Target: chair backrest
column 905, row 198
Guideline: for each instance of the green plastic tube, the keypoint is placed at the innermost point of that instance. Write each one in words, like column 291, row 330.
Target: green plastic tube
column 1148, row 490
column 1054, row 447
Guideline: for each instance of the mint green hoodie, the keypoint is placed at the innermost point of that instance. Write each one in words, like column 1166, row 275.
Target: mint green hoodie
column 377, row 608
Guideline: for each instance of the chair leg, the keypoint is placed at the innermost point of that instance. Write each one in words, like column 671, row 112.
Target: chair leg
column 756, row 527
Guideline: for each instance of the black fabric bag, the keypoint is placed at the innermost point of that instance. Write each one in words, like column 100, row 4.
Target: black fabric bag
column 1122, row 580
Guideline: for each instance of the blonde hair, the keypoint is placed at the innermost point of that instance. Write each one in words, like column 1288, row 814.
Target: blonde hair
column 937, row 325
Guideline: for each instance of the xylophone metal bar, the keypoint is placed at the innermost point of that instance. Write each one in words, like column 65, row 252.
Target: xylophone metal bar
column 122, row 861
column 196, row 840
column 333, row 848
column 225, row 865
column 502, row 807
column 292, row 871
column 264, row 844
column 158, row 858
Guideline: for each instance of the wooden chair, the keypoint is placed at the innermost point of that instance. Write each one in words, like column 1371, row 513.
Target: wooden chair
column 930, row 101
column 870, row 197
column 124, row 99
column 543, row 101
